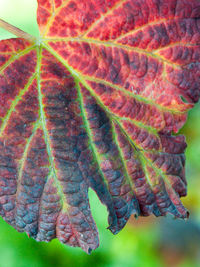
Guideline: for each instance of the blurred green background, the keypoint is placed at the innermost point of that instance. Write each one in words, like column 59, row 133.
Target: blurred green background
column 145, row 242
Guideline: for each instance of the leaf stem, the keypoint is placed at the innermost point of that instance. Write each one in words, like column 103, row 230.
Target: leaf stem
column 16, row 31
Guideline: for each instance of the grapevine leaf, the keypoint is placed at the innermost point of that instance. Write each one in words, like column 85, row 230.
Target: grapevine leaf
column 95, row 102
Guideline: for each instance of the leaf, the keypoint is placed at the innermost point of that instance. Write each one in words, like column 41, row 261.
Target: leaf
column 95, row 103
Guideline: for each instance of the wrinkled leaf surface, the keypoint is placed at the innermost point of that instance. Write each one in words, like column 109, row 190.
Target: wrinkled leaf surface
column 95, row 103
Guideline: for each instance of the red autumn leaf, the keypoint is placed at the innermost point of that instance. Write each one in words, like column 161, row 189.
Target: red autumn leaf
column 94, row 103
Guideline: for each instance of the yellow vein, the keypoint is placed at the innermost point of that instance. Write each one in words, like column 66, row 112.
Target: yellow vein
column 135, row 30
column 54, row 14
column 142, row 27
column 174, row 45
column 7, row 53
column 129, row 48
column 128, row 93
column 116, row 45
column 16, row 56
column 53, row 7
column 65, row 2
column 5, row 120
column 103, row 16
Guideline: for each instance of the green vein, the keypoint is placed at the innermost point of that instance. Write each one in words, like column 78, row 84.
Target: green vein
column 46, row 134
column 122, row 158
column 139, row 153
column 139, row 124
column 88, row 130
column 144, row 160
column 25, row 154
column 24, row 157
column 5, row 120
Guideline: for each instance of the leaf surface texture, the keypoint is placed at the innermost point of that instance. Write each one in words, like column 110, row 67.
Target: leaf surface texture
column 96, row 104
